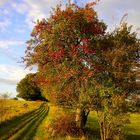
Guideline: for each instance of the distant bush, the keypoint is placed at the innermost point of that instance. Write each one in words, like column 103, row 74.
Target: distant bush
column 5, row 95
column 15, row 98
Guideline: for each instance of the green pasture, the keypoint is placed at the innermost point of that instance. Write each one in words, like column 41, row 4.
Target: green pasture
column 35, row 125
column 132, row 130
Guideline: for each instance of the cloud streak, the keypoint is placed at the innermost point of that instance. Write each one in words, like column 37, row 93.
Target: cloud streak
column 14, row 74
column 8, row 81
column 4, row 44
column 4, row 24
column 112, row 12
column 34, row 9
column 2, row 2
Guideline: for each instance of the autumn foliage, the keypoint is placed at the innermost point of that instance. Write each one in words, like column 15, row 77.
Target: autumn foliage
column 81, row 65
column 65, row 41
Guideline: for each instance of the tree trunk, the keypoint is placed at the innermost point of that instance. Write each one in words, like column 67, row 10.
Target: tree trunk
column 104, row 128
column 81, row 117
column 102, row 125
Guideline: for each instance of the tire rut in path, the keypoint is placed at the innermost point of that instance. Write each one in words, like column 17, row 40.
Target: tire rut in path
column 27, row 129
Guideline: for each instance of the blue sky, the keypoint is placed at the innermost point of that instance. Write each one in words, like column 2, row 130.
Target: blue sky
column 16, row 23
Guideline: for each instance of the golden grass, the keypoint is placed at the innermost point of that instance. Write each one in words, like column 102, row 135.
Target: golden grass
column 44, row 131
column 13, row 108
column 135, row 124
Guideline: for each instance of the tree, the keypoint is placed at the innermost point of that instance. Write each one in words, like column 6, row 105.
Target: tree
column 119, row 57
column 28, row 89
column 64, row 47
column 81, row 65
column 5, row 95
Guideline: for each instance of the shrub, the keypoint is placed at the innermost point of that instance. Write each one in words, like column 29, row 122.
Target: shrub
column 66, row 125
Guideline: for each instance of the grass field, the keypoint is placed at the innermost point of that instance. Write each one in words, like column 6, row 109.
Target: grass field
column 13, row 108
column 44, row 132
column 132, row 129
column 27, row 120
column 23, row 127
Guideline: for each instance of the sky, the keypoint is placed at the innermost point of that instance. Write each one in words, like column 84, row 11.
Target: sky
column 17, row 18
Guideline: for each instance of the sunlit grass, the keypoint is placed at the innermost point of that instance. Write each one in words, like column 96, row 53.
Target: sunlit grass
column 44, row 132
column 133, row 129
column 92, row 127
column 24, row 126
column 13, row 108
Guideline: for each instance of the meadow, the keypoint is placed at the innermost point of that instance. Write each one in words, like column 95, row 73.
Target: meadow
column 13, row 108
column 132, row 130
column 25, row 117
column 23, row 120
column 44, row 132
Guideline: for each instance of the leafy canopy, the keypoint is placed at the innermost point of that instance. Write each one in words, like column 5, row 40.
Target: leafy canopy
column 76, row 58
column 28, row 89
column 65, row 49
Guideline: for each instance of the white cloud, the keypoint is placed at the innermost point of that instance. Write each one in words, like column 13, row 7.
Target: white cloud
column 20, row 30
column 8, row 81
column 111, row 11
column 2, row 2
column 4, row 24
column 13, row 74
column 4, row 44
column 4, row 12
column 36, row 9
column 9, row 49
column 8, row 53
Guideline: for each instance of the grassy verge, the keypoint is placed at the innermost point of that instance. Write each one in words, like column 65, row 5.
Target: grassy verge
column 92, row 127
column 133, row 129
column 44, row 132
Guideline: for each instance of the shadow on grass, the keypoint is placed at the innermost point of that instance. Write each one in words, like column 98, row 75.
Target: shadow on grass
column 92, row 127
column 95, row 135
column 133, row 137
column 29, row 132
column 9, row 124
column 92, row 134
column 36, row 124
